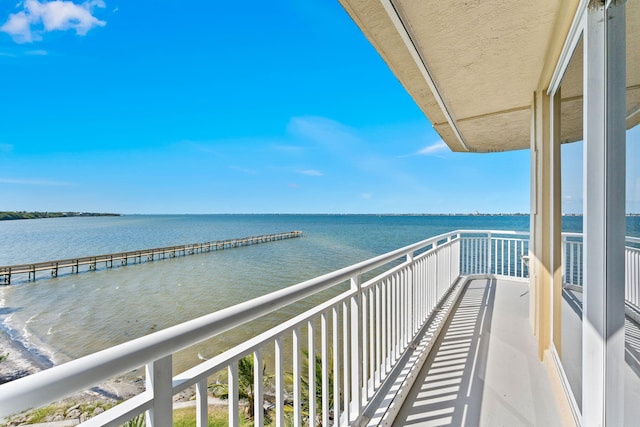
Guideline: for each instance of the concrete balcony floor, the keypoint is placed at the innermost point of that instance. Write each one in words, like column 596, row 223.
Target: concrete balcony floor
column 484, row 369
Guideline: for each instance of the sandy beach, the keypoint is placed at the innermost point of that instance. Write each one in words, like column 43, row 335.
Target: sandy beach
column 18, row 362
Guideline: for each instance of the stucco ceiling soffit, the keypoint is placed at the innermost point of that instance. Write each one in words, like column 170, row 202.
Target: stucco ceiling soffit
column 484, row 56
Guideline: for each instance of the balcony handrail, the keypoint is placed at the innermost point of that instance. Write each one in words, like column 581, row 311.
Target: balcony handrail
column 37, row 389
column 629, row 239
column 449, row 255
column 571, row 234
column 494, row 232
column 633, row 239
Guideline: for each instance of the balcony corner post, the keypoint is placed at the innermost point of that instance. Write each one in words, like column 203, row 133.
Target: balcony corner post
column 604, row 214
column 159, row 382
column 202, row 402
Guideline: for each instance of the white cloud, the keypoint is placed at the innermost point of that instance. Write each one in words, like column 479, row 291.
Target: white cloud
column 327, row 132
column 37, row 18
column 38, row 52
column 15, row 53
column 438, row 147
column 310, row 172
column 366, row 196
column 33, row 182
column 19, row 26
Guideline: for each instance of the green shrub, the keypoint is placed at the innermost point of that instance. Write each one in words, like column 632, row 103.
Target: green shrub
column 138, row 421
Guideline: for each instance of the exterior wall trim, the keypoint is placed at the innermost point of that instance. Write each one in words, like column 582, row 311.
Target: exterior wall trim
column 570, row 44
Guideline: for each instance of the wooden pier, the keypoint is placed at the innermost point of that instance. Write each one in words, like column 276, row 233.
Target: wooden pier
column 135, row 257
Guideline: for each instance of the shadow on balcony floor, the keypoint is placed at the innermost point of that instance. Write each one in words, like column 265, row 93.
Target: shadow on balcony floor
column 484, row 369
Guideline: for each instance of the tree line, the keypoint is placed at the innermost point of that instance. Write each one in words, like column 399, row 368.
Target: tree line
column 7, row 215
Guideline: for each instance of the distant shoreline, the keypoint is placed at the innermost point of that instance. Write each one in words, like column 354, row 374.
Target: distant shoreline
column 10, row 215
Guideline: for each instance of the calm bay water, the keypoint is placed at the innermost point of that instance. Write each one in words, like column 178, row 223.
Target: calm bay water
column 73, row 315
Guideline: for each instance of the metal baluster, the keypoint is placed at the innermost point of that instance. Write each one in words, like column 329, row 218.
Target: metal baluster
column 379, row 341
column 364, row 334
column 324, row 337
column 234, row 417
column 369, row 376
column 336, row 369
column 258, row 387
column 346, row 361
column 311, row 361
column 279, row 382
column 297, row 415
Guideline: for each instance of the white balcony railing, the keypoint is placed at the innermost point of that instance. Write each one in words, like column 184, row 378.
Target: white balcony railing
column 572, row 256
column 497, row 253
column 355, row 337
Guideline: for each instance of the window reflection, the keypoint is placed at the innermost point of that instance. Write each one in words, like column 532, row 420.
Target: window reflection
column 569, row 344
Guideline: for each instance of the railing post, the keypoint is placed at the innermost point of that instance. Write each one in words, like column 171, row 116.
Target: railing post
column 297, row 386
column 461, row 255
column 258, row 388
column 489, row 253
column 202, row 403
column 356, row 350
column 411, row 297
column 159, row 381
column 233, row 394
column 457, row 254
column 436, row 275
column 311, row 362
column 364, row 326
column 335, row 314
column 448, row 252
column 324, row 349
column 279, row 374
column 563, row 262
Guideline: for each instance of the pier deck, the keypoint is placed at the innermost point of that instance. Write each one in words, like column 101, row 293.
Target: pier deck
column 92, row 262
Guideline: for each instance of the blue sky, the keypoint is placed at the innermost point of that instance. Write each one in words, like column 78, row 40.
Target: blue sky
column 218, row 107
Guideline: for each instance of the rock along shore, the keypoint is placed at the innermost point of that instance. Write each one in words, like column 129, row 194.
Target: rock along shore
column 18, row 362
